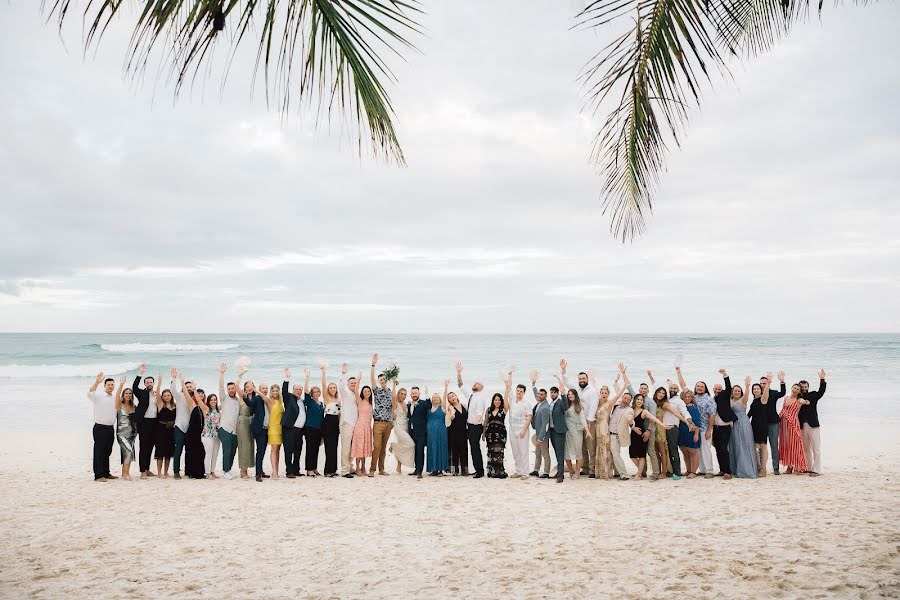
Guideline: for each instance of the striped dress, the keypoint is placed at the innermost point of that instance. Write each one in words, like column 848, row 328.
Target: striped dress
column 790, row 439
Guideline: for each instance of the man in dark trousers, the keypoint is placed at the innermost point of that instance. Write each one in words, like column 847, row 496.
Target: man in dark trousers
column 418, row 427
column 145, row 419
column 558, row 429
column 723, row 419
column 292, row 422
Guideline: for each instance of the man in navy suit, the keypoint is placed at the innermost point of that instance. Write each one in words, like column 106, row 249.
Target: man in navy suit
column 418, row 427
column 558, row 430
column 259, row 425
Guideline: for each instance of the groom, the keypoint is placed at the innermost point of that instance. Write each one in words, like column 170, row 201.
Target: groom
column 418, row 427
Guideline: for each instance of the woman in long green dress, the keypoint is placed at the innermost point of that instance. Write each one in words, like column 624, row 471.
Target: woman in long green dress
column 662, row 447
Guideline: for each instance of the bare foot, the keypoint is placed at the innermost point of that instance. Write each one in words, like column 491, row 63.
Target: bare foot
column 126, row 477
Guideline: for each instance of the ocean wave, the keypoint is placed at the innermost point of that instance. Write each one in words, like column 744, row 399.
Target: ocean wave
column 167, row 347
column 87, row 370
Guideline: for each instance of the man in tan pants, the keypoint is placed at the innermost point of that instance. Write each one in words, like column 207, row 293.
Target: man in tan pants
column 382, row 414
column 349, row 414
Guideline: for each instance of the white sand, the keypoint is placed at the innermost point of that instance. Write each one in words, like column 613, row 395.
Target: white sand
column 790, row 536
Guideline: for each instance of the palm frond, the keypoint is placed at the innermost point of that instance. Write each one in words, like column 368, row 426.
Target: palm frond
column 654, row 71
column 750, row 27
column 337, row 47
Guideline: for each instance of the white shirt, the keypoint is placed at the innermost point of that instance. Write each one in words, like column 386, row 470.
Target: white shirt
column 349, row 412
column 678, row 403
column 182, row 412
column 301, row 414
column 519, row 411
column 229, row 408
column 589, row 396
column 151, row 406
column 476, row 404
column 104, row 407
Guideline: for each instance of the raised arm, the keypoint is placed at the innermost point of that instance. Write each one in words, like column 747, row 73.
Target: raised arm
column 765, row 391
column 821, row 391
column 459, row 379
column 626, row 382
column 646, row 414
column 306, row 383
column 563, row 380
column 372, row 371
column 506, row 395
column 444, row 402
column 119, row 393
column 285, row 390
column 681, row 381
column 650, row 376
column 324, row 385
column 96, row 384
column 562, row 384
column 159, row 400
column 222, row 368
column 358, row 394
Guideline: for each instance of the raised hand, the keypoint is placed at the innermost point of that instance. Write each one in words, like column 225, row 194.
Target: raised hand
column 446, row 383
column 223, row 367
column 343, row 368
column 747, row 384
column 649, row 374
column 512, row 369
column 375, row 359
column 562, row 365
column 181, row 378
column 99, row 377
column 781, row 376
column 174, row 372
column 458, row 367
column 142, row 368
column 723, row 373
column 243, row 371
column 306, row 373
column 122, row 380
column 287, row 374
column 821, row 373
column 769, row 376
column 621, row 367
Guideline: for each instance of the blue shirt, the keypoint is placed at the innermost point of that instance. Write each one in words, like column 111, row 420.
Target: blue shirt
column 315, row 412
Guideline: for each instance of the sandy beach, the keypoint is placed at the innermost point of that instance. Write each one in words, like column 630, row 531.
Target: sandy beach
column 790, row 536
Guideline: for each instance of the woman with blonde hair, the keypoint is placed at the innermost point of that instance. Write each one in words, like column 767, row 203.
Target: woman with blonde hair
column 276, row 409
column 331, row 424
column 404, row 448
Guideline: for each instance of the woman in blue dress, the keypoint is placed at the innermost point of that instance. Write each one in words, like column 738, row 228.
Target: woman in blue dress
column 740, row 446
column 438, row 457
column 689, row 441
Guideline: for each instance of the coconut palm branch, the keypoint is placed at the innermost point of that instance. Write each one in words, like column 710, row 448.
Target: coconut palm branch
column 336, row 48
column 653, row 74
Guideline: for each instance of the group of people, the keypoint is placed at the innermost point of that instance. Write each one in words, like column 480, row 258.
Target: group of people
column 588, row 427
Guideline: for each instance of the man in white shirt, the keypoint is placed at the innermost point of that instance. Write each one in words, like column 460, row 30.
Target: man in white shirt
column 476, row 405
column 182, row 417
column 229, row 406
column 589, row 396
column 104, row 425
column 349, row 414
column 519, row 426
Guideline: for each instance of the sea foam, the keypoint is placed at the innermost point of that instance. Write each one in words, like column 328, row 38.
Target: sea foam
column 167, row 347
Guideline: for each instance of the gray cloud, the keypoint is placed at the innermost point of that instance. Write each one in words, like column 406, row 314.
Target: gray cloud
column 126, row 211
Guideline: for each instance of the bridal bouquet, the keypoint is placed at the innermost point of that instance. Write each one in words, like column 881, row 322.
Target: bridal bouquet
column 391, row 373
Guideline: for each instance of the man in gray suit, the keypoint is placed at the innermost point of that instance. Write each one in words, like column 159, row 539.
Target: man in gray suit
column 540, row 421
column 558, row 429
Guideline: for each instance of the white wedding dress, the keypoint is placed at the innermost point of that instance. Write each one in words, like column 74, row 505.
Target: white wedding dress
column 403, row 449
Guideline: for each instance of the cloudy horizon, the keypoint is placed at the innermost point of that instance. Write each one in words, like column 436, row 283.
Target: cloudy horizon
column 126, row 211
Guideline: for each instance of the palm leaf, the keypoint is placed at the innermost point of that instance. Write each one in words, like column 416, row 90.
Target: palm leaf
column 654, row 72
column 335, row 46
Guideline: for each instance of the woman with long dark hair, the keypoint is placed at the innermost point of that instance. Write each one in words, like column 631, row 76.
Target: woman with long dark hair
column 759, row 422
column 363, row 438
column 637, row 450
column 495, row 430
column 331, row 425
column 741, row 450
column 210, row 435
column 194, row 454
column 661, row 397
column 457, row 436
column 125, row 427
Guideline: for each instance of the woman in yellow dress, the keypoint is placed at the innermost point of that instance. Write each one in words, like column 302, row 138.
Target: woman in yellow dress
column 276, row 409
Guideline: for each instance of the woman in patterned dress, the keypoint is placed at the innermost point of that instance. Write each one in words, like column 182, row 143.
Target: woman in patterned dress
column 403, row 448
column 790, row 438
column 603, row 464
column 361, row 446
column 495, row 430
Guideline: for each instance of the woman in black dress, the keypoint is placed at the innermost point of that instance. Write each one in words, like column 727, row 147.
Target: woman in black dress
column 457, row 437
column 495, row 431
column 194, row 453
column 640, row 439
column 759, row 423
column 164, row 446
column 331, row 425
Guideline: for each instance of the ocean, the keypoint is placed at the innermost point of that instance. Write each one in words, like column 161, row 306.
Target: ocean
column 47, row 374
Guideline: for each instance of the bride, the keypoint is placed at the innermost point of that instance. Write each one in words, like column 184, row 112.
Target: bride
column 403, row 448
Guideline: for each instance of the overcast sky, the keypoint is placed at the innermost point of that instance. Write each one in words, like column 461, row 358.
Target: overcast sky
column 124, row 211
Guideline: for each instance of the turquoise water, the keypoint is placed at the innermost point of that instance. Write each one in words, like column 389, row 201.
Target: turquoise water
column 50, row 372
